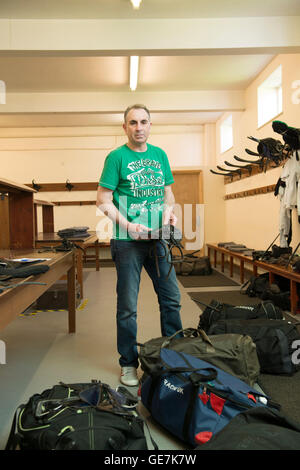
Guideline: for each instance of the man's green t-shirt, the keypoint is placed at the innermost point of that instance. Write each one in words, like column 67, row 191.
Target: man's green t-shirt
column 138, row 181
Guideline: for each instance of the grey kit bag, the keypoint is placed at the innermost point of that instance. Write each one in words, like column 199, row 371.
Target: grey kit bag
column 234, row 353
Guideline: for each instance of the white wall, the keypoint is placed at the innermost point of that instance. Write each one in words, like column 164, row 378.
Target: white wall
column 53, row 155
column 254, row 220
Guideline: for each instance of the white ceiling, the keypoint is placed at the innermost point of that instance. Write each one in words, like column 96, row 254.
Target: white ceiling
column 148, row 9
column 109, row 74
column 36, row 73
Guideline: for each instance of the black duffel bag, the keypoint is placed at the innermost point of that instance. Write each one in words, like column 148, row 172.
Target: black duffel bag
column 256, row 285
column 275, row 341
column 81, row 416
column 259, row 428
column 278, row 292
column 217, row 311
column 192, row 265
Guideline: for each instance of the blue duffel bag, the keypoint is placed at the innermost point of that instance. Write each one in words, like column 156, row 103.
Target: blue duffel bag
column 194, row 400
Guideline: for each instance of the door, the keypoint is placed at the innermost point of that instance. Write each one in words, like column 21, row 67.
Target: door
column 188, row 192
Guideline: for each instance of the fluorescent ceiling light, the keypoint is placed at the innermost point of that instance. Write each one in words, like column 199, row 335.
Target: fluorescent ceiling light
column 136, row 3
column 134, row 70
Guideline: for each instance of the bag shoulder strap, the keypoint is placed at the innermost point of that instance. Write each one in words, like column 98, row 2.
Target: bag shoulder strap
column 243, row 288
column 13, row 438
column 188, row 332
column 147, row 432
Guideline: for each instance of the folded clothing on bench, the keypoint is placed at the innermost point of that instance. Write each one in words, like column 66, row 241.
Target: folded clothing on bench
column 237, row 248
column 21, row 271
column 74, row 232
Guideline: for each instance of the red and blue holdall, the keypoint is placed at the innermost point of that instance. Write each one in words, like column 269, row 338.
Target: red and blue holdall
column 193, row 399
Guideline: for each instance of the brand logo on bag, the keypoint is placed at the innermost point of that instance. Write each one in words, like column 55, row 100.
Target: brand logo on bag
column 295, row 356
column 2, row 352
column 173, row 387
column 247, row 307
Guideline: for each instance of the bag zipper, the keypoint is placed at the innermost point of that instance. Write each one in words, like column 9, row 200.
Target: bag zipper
column 91, row 432
column 226, row 397
column 40, row 427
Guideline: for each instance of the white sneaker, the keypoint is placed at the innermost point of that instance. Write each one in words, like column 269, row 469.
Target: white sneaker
column 129, row 376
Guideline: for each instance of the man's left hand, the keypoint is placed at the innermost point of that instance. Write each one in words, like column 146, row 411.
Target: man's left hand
column 169, row 218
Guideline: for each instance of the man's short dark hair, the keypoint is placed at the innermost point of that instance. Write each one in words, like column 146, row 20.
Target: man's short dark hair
column 136, row 106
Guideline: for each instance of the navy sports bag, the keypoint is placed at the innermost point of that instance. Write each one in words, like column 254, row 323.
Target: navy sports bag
column 192, row 399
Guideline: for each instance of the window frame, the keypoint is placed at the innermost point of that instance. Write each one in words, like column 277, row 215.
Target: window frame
column 271, row 87
column 225, row 125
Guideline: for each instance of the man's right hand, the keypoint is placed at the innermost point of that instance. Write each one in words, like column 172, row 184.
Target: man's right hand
column 137, row 231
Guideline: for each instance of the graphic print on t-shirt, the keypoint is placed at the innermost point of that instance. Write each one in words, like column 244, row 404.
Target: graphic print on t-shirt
column 138, row 181
column 146, row 181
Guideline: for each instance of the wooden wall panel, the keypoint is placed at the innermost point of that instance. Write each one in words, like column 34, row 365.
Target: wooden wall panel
column 22, row 230
column 188, row 190
column 4, row 221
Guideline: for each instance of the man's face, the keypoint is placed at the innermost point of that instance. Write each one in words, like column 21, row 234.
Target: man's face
column 137, row 127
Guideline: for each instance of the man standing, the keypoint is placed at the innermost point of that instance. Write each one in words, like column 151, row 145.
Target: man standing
column 135, row 193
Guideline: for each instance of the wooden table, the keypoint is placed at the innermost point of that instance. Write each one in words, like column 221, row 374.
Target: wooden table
column 96, row 244
column 52, row 239
column 47, row 215
column 92, row 242
column 15, row 300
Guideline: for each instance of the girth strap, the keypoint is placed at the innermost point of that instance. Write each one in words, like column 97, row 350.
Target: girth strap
column 169, row 238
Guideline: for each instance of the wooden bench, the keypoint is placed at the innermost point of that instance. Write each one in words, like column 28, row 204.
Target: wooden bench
column 272, row 269
column 287, row 273
column 231, row 254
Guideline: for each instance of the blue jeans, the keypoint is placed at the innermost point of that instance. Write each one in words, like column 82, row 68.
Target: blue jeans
column 129, row 258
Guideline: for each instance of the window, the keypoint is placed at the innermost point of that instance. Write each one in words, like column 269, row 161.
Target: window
column 226, row 135
column 2, row 92
column 269, row 97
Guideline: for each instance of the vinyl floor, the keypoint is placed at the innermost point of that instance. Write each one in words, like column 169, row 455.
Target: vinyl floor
column 40, row 352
